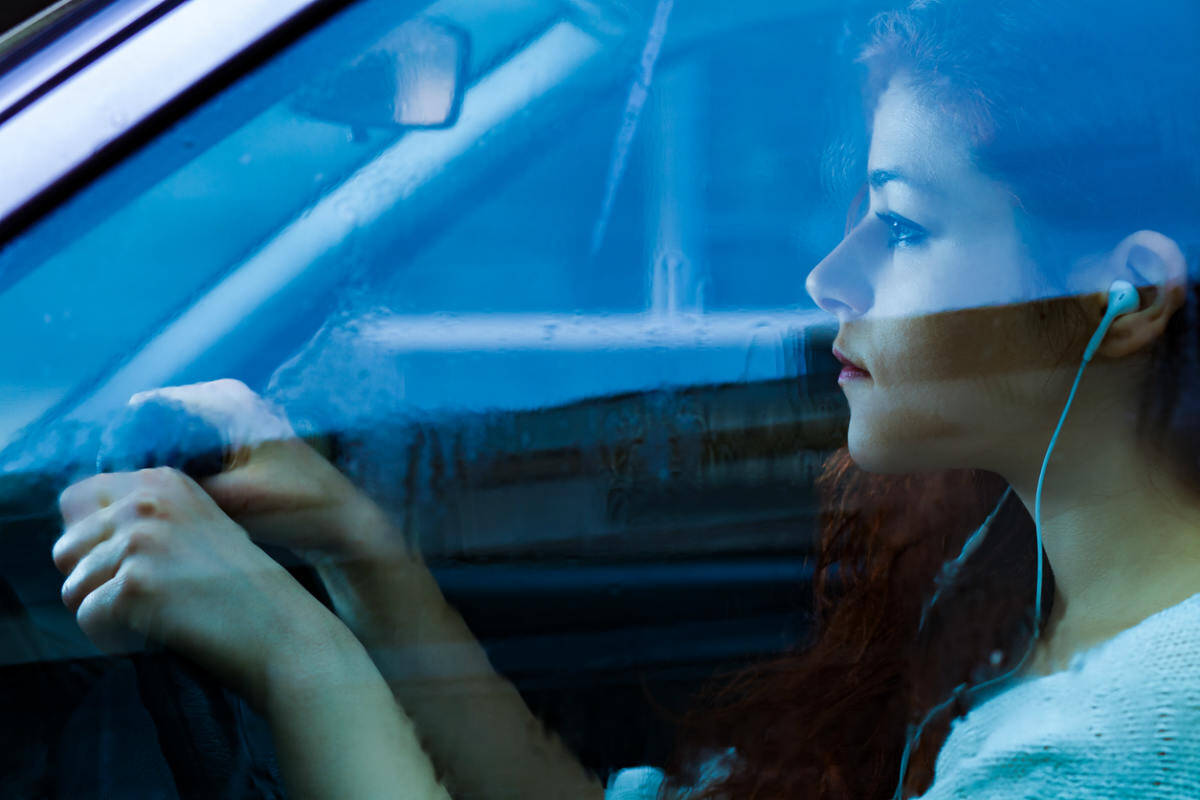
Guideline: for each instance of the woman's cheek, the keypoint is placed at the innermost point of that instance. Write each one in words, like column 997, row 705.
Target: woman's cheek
column 972, row 344
column 940, row 381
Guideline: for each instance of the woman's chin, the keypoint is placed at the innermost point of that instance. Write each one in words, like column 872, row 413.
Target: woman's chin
column 870, row 454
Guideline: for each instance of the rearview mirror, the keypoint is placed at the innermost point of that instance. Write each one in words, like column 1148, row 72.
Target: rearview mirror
column 414, row 77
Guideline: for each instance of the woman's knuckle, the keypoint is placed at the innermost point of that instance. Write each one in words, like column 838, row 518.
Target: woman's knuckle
column 70, row 595
column 138, row 540
column 62, row 553
column 149, row 477
column 174, row 483
column 66, row 498
column 80, row 499
column 147, row 502
column 134, row 579
column 90, row 612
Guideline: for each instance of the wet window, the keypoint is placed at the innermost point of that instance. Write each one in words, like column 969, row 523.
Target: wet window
column 506, row 331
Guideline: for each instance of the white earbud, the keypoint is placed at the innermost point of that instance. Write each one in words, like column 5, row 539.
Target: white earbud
column 1122, row 298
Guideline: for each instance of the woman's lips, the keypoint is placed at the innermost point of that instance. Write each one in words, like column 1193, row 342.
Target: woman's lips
column 850, row 368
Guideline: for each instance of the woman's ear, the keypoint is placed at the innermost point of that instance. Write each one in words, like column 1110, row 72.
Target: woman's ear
column 1156, row 266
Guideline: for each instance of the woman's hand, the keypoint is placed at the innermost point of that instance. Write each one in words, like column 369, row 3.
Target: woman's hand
column 276, row 486
column 148, row 555
column 282, row 491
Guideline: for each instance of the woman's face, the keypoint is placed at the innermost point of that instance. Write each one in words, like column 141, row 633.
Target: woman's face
column 931, row 290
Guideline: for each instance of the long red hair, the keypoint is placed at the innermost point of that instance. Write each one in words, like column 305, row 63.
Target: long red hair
column 829, row 720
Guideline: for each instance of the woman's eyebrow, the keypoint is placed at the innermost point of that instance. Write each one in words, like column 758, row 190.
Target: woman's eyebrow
column 878, row 178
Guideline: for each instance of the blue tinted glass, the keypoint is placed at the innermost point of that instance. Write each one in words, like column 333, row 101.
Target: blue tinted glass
column 577, row 236
column 571, row 347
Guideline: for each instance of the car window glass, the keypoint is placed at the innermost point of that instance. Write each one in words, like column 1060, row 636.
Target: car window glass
column 702, row 225
column 564, row 339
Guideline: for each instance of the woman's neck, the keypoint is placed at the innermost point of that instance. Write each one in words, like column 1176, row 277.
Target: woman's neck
column 1121, row 533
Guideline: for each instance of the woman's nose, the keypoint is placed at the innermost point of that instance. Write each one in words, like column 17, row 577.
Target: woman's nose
column 838, row 284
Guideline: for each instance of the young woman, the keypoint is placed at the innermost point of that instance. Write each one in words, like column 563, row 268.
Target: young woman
column 1022, row 159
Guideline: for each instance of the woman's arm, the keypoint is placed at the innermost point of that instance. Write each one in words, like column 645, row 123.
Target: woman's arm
column 148, row 555
column 338, row 731
column 474, row 722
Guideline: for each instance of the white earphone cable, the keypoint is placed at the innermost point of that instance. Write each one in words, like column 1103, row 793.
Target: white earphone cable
column 1121, row 295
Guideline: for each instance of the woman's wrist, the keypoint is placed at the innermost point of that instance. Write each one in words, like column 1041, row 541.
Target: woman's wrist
column 357, row 529
column 304, row 648
column 380, row 587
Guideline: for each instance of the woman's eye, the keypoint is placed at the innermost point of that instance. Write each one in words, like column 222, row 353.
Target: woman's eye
column 902, row 232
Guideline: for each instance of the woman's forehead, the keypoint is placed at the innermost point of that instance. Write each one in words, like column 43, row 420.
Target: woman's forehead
column 912, row 144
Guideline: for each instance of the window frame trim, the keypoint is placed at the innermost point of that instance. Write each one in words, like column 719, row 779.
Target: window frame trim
column 107, row 109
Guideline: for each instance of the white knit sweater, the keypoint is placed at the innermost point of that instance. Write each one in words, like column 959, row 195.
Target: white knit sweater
column 1123, row 721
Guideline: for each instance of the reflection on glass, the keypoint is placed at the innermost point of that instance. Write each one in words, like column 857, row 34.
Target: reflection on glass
column 539, row 474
